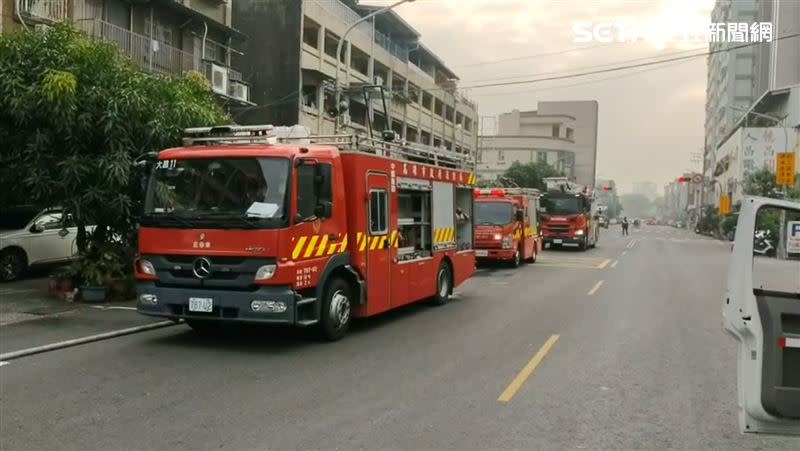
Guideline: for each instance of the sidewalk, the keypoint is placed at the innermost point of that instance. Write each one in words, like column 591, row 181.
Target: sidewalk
column 29, row 317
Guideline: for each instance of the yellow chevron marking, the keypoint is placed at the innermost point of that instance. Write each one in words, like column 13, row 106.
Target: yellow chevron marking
column 322, row 245
column 374, row 243
column 332, row 248
column 448, row 236
column 452, row 234
column 298, row 247
column 310, row 247
column 439, row 233
column 362, row 244
column 393, row 239
column 383, row 242
column 343, row 246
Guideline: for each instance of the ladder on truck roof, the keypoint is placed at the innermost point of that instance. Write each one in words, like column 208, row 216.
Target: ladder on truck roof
column 562, row 184
column 513, row 191
column 387, row 146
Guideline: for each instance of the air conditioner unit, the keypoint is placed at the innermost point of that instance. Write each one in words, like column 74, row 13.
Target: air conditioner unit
column 218, row 75
column 239, row 91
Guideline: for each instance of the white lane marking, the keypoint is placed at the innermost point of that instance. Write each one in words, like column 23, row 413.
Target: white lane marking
column 112, row 307
column 624, row 252
column 614, row 265
column 79, row 341
column 3, row 363
column 595, row 288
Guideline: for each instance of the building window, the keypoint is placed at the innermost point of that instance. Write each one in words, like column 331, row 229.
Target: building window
column 310, row 32
column 427, row 101
column 570, row 133
column 448, row 145
column 438, row 107
column 541, row 157
column 556, row 130
column 413, row 93
column 501, row 156
column 467, row 124
column 331, row 42
column 437, row 142
column 310, row 96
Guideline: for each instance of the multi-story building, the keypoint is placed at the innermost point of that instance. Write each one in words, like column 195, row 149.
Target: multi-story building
column 747, row 83
column 291, row 58
column 562, row 134
column 161, row 36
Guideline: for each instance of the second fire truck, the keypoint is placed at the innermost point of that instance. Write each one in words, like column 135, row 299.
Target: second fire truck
column 244, row 225
column 507, row 225
column 566, row 214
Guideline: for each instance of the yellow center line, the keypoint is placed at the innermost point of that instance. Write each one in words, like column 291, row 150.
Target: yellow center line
column 595, row 288
column 614, row 265
column 526, row 372
column 604, row 263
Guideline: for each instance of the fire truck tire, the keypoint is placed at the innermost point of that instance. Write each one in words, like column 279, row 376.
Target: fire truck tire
column 584, row 243
column 444, row 284
column 336, row 310
column 532, row 258
column 515, row 261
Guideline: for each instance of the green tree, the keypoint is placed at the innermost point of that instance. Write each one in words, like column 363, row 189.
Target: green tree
column 74, row 115
column 762, row 183
column 531, row 175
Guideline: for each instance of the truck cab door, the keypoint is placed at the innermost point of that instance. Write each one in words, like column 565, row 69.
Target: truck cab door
column 378, row 245
column 761, row 309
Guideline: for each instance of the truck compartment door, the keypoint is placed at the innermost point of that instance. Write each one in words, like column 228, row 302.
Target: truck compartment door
column 444, row 236
column 761, row 309
column 378, row 242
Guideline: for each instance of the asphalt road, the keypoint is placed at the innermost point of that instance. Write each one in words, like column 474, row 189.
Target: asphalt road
column 641, row 362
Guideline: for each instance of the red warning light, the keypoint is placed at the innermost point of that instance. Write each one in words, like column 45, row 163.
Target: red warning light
column 498, row 192
column 683, row 179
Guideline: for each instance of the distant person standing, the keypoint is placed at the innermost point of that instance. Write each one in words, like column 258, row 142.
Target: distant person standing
column 625, row 226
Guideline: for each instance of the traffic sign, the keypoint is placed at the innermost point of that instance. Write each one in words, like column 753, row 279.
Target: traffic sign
column 725, row 205
column 697, row 178
column 784, row 174
column 793, row 237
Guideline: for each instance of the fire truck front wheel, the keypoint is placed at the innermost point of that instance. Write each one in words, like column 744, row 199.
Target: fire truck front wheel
column 336, row 310
column 444, row 284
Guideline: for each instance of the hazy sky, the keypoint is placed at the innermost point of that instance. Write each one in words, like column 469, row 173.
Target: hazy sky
column 651, row 118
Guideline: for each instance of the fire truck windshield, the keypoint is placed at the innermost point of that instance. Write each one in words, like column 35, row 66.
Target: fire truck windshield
column 561, row 205
column 218, row 192
column 493, row 213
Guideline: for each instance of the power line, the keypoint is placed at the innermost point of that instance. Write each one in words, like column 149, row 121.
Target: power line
column 521, row 58
column 589, row 82
column 644, row 58
column 619, row 68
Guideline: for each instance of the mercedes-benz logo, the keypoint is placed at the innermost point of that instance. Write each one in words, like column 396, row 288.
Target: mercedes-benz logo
column 202, row 268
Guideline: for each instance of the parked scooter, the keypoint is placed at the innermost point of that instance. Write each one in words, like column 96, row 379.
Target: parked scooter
column 762, row 243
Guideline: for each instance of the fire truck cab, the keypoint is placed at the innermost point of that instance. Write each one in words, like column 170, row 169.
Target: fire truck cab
column 566, row 213
column 244, row 224
column 507, row 225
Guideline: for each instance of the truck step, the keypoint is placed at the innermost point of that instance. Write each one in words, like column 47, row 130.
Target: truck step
column 307, row 322
column 306, row 301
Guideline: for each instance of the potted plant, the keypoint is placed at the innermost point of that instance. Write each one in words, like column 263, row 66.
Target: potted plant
column 93, row 275
column 62, row 281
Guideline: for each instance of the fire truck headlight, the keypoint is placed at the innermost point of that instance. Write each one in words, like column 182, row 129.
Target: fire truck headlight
column 498, row 237
column 265, row 272
column 508, row 241
column 146, row 267
column 268, row 306
column 579, row 232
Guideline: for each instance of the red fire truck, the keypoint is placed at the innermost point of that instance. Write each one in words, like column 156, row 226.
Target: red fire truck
column 566, row 213
column 245, row 224
column 506, row 225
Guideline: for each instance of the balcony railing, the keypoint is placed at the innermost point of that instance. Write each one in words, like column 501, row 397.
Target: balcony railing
column 45, row 10
column 151, row 55
column 348, row 16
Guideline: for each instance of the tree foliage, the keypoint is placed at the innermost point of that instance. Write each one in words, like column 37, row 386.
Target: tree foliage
column 531, row 175
column 75, row 114
column 762, row 183
column 637, row 205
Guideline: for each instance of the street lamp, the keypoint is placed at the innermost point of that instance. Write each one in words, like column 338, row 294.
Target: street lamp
column 339, row 52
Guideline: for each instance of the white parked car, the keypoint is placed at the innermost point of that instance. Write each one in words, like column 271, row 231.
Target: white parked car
column 31, row 236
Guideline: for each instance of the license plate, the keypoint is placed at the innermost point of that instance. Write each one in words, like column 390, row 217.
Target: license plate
column 481, row 253
column 558, row 241
column 205, row 305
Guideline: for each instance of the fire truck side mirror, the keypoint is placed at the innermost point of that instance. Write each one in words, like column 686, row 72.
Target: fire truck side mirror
column 323, row 210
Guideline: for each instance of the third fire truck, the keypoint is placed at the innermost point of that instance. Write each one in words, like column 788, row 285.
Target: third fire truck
column 506, row 225
column 243, row 224
column 566, row 214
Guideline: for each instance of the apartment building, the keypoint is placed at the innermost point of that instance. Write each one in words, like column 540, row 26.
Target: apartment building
column 161, row 36
column 562, row 134
column 290, row 58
